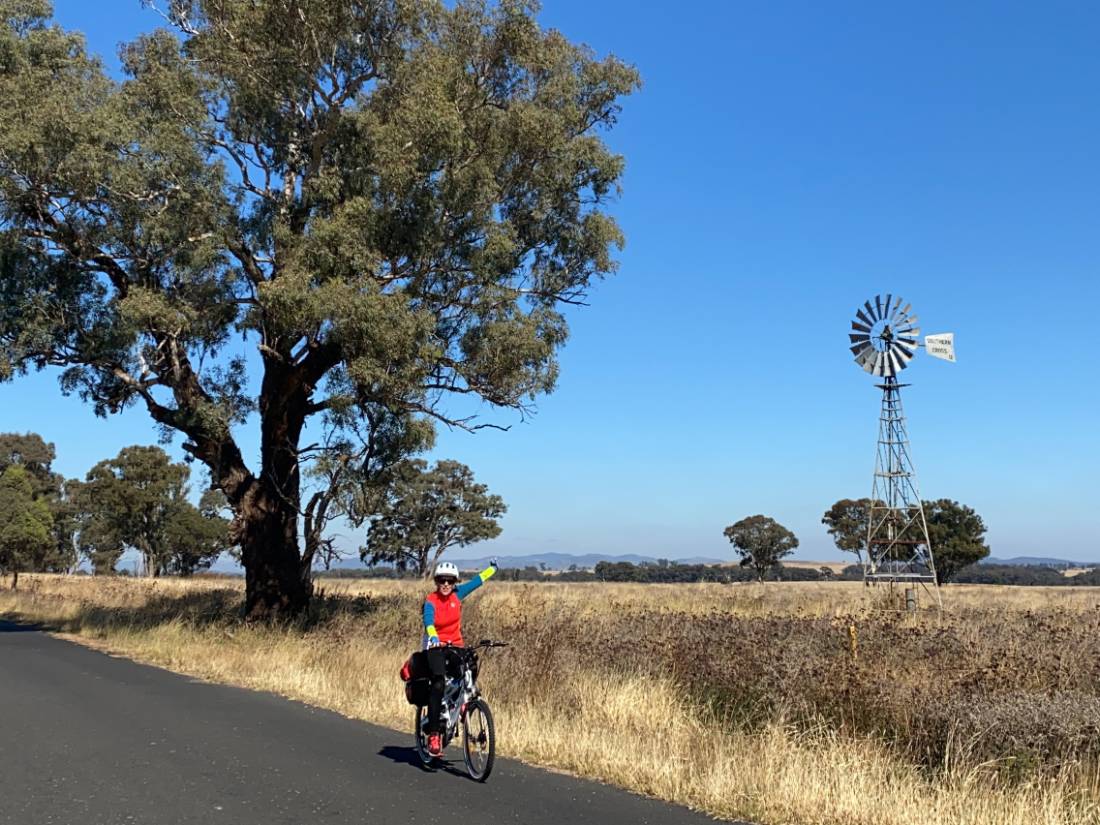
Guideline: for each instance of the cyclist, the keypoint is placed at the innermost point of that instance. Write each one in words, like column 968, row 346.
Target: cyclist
column 443, row 633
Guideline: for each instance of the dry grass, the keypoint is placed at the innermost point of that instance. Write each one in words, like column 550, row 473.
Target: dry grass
column 597, row 662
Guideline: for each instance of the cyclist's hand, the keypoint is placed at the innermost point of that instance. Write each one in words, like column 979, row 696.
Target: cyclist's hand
column 493, row 564
column 433, row 641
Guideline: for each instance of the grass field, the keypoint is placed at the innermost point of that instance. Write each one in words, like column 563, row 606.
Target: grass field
column 808, row 703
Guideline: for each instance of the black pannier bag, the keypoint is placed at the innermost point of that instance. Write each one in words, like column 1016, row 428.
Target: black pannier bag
column 417, row 691
column 414, row 675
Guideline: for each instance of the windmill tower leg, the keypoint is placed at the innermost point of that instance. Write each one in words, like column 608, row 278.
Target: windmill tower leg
column 898, row 546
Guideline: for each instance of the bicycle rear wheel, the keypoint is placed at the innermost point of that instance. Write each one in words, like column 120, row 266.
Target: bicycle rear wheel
column 478, row 740
column 421, row 737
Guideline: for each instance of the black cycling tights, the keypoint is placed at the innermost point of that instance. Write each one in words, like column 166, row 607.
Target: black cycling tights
column 442, row 661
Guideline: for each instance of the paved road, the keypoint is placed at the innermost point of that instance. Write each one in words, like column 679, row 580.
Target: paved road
column 87, row 739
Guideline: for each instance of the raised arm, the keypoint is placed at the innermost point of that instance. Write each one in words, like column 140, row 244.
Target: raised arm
column 466, row 588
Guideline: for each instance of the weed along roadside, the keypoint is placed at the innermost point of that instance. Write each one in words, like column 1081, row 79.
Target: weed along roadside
column 789, row 703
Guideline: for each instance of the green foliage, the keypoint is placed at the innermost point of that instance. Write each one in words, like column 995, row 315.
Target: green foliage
column 847, row 523
column 98, row 537
column 955, row 531
column 390, row 201
column 139, row 499
column 25, row 522
column 761, row 542
column 192, row 540
column 425, row 512
column 957, row 536
column 33, row 454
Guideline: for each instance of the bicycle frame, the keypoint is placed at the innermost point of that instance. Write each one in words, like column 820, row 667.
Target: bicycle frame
column 459, row 691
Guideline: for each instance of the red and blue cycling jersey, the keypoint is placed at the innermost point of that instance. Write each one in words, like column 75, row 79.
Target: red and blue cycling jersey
column 443, row 615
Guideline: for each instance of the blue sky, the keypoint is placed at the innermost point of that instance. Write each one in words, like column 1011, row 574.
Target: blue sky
column 786, row 161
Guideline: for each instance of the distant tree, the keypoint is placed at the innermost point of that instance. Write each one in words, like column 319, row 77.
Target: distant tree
column 426, row 512
column 25, row 523
column 761, row 542
column 1017, row 574
column 530, row 573
column 957, row 536
column 31, row 452
column 139, row 499
column 349, row 479
column 98, row 536
column 193, row 538
column 847, row 523
column 64, row 555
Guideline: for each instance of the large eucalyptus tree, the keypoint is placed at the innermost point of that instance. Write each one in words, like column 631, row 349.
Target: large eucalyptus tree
column 350, row 209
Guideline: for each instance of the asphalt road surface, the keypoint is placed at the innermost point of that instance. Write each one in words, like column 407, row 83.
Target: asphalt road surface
column 88, row 739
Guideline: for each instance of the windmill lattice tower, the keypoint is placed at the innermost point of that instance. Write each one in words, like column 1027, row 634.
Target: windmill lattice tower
column 884, row 339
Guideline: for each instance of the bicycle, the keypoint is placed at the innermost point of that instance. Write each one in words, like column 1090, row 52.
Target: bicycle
column 463, row 705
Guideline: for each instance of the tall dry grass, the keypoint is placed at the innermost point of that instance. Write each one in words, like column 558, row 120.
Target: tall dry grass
column 642, row 686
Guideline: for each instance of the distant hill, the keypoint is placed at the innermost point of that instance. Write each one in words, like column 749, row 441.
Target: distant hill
column 562, row 561
column 1037, row 561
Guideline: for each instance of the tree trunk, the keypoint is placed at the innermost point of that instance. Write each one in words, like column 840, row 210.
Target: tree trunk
column 268, row 533
column 265, row 525
column 14, row 579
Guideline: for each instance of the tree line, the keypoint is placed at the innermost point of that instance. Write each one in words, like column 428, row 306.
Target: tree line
column 674, row 573
column 140, row 500
column 955, row 531
column 137, row 500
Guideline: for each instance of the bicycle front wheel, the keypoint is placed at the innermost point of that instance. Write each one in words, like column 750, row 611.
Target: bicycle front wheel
column 478, row 740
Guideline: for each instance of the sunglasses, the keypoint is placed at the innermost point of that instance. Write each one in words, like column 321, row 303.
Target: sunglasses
column 447, row 581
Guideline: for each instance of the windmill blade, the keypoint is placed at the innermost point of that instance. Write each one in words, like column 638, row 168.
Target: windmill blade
column 870, row 310
column 941, row 345
column 859, row 349
column 868, row 363
column 897, row 303
column 905, row 310
column 910, row 336
column 901, row 360
column 858, row 337
column 908, row 322
column 861, row 327
column 878, row 362
column 886, row 306
column 865, row 357
column 906, row 352
column 878, row 307
column 864, row 318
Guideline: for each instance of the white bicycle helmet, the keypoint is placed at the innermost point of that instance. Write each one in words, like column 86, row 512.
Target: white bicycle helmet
column 445, row 568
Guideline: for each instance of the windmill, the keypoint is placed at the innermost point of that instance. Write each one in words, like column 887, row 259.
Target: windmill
column 884, row 338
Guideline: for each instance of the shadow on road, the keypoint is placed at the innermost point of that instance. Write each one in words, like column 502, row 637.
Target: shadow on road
column 408, row 756
column 12, row 627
